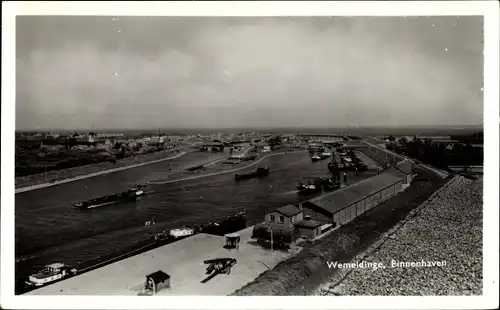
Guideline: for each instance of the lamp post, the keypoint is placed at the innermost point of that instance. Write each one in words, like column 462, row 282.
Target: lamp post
column 270, row 230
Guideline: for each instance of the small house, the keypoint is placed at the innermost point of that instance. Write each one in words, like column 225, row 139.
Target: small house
column 286, row 215
column 309, row 228
column 157, row 281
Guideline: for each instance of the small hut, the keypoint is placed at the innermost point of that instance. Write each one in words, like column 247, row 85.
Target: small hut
column 157, row 281
column 309, row 227
column 232, row 241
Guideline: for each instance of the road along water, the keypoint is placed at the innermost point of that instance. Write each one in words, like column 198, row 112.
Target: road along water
column 157, row 182
column 90, row 175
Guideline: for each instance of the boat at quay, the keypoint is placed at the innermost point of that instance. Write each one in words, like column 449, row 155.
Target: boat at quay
column 50, row 274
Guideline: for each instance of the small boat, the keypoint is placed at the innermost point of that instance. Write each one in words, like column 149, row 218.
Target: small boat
column 194, row 168
column 175, row 234
column 130, row 195
column 307, row 188
column 260, row 172
column 325, row 155
column 316, row 185
column 51, row 273
column 182, row 232
column 315, row 158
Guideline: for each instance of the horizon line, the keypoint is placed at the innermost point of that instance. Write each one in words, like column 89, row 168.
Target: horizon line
column 344, row 128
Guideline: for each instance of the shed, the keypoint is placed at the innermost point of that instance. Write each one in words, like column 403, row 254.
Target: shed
column 309, row 228
column 157, row 281
column 232, row 241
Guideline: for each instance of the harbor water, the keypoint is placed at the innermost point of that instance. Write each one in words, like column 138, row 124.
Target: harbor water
column 49, row 230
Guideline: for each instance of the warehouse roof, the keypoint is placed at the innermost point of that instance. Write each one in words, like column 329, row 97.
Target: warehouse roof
column 289, row 210
column 395, row 171
column 347, row 196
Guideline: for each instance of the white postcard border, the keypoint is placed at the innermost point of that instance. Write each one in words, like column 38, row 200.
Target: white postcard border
column 489, row 9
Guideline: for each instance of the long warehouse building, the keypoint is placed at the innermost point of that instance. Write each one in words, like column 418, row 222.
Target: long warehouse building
column 344, row 205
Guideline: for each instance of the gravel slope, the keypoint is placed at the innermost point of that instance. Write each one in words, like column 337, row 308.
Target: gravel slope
column 448, row 227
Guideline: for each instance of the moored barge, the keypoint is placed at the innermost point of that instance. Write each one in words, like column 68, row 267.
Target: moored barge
column 227, row 225
column 50, row 273
column 260, row 172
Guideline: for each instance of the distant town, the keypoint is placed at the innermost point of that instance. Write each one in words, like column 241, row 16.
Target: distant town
column 41, row 152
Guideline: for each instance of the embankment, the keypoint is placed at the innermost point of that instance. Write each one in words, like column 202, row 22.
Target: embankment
column 444, row 232
column 33, row 182
column 302, row 274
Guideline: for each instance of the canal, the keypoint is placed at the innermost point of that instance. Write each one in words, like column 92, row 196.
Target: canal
column 48, row 230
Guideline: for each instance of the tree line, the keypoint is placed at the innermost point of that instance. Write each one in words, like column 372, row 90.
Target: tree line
column 466, row 150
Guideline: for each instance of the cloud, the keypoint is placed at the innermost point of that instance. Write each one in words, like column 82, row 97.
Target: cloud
column 219, row 72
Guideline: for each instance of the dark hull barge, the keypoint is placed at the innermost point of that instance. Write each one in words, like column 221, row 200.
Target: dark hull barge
column 260, row 172
column 130, row 195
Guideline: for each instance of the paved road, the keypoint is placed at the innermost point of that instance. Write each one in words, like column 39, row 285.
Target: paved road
column 90, row 175
column 368, row 161
column 440, row 173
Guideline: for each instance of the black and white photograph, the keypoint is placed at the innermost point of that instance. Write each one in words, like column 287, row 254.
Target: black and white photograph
column 226, row 152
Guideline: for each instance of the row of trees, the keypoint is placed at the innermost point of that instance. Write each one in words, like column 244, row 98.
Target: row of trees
column 441, row 155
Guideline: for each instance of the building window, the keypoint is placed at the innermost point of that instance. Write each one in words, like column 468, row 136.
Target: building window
column 282, row 219
column 273, row 218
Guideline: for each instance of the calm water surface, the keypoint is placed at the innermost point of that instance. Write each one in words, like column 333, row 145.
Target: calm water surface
column 48, row 230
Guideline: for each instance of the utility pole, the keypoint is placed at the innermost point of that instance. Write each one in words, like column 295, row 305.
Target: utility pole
column 271, row 231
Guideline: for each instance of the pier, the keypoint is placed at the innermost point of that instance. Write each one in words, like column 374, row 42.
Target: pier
column 183, row 261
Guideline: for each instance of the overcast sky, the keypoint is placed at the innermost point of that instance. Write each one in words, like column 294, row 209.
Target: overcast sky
column 142, row 72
